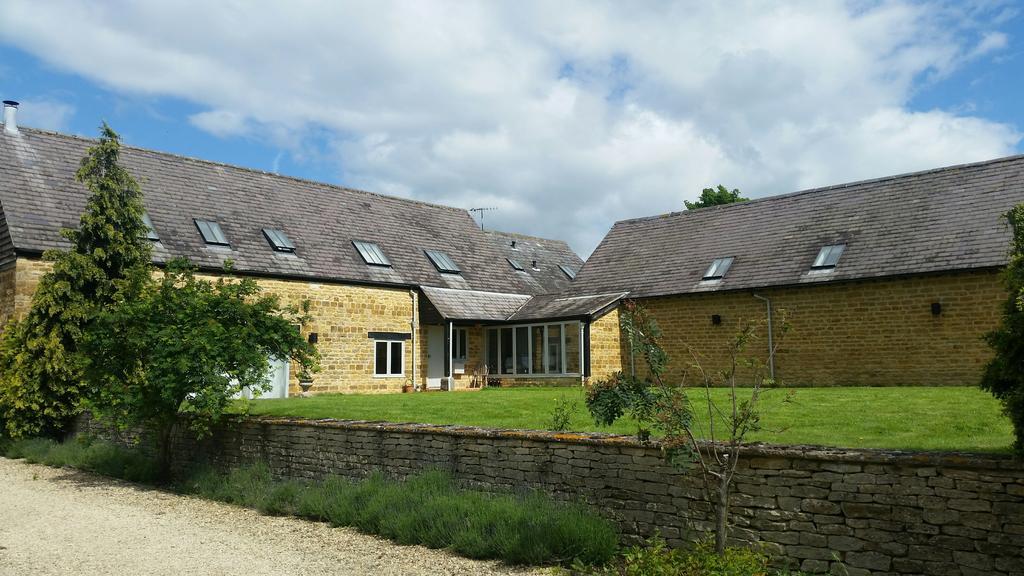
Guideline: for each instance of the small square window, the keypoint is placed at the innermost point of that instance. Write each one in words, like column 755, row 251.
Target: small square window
column 389, row 357
column 211, row 232
column 828, row 256
column 515, row 264
column 150, row 229
column 371, row 253
column 442, row 262
column 567, row 271
column 279, row 241
column 718, row 268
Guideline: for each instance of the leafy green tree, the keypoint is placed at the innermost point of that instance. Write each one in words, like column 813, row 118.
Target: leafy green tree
column 41, row 385
column 667, row 407
column 1004, row 374
column 715, row 197
column 179, row 348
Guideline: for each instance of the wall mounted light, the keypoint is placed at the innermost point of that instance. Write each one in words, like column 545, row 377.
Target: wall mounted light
column 936, row 308
column 313, row 337
column 716, row 319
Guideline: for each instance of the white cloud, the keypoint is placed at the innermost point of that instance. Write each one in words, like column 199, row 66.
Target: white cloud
column 565, row 115
column 45, row 113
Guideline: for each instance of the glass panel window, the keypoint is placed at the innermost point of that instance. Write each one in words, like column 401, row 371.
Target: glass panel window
column 506, row 350
column 150, row 229
column 381, row 359
column 396, row 358
column 828, row 256
column 371, row 253
column 460, row 345
column 443, row 262
column 522, row 350
column 389, row 357
column 554, row 349
column 718, row 269
column 211, row 232
column 279, row 241
column 572, row 348
column 492, row 350
column 537, row 349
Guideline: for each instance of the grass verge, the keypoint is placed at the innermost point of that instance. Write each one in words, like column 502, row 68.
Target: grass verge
column 428, row 509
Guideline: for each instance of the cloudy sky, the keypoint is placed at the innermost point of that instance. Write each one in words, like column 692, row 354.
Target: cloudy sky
column 565, row 116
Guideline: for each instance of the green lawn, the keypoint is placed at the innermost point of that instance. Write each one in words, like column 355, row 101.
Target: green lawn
column 906, row 418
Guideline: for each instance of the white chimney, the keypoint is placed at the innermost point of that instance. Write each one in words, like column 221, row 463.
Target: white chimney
column 10, row 117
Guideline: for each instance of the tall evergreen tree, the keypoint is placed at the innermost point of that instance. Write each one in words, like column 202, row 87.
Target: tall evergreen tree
column 1004, row 375
column 41, row 384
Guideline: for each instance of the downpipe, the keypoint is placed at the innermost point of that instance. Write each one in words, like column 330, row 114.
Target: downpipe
column 771, row 342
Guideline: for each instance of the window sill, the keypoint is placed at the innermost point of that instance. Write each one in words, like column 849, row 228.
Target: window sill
column 389, row 375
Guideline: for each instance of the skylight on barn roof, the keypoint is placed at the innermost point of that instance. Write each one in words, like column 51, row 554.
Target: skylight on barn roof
column 515, row 264
column 279, row 241
column 828, row 257
column 371, row 253
column 718, row 268
column 150, row 229
column 568, row 271
column 442, row 262
column 211, row 232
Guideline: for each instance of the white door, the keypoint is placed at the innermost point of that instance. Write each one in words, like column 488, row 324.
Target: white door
column 278, row 379
column 435, row 357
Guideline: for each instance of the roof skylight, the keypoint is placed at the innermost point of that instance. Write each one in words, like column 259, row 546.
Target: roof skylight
column 515, row 264
column 211, row 232
column 828, row 257
column 718, row 268
column 279, row 241
column 371, row 253
column 150, row 230
column 442, row 262
column 568, row 271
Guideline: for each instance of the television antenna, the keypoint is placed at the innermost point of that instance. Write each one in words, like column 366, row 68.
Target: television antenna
column 481, row 211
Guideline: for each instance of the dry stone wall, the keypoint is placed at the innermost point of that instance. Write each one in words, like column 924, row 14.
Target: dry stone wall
column 872, row 512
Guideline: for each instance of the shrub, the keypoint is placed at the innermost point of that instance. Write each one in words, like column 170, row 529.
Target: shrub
column 655, row 558
column 427, row 509
column 562, row 413
column 86, row 453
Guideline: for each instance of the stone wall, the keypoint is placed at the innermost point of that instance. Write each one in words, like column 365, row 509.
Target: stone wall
column 875, row 512
column 865, row 333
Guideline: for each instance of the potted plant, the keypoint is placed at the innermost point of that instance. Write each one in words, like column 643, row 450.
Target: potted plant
column 305, row 381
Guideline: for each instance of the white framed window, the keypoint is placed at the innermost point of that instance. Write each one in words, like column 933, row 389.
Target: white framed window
column 388, row 358
column 460, row 349
column 535, row 349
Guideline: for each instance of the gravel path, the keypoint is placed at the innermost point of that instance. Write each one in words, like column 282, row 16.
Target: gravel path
column 59, row 521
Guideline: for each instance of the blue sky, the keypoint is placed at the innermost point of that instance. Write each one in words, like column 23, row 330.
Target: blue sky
column 566, row 117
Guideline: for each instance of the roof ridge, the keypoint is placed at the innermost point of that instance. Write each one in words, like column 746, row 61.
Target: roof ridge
column 525, row 236
column 249, row 169
column 425, row 286
column 832, row 187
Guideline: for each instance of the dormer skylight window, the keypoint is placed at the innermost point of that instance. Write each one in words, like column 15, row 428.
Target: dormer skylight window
column 516, row 265
column 828, row 257
column 442, row 262
column 718, row 268
column 150, row 230
column 279, row 241
column 568, row 271
column 211, row 232
column 371, row 253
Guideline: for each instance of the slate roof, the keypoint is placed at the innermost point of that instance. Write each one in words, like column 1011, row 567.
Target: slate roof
column 933, row 221
column 39, row 196
column 552, row 306
column 546, row 277
column 474, row 305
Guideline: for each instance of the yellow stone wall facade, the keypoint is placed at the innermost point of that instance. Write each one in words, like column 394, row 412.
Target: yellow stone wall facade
column 342, row 316
column 864, row 333
column 608, row 353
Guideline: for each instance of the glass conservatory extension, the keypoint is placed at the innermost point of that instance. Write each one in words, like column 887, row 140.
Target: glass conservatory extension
column 536, row 350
